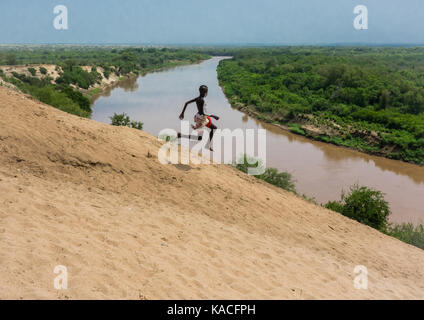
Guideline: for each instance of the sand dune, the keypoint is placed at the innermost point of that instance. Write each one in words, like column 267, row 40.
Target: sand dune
column 86, row 195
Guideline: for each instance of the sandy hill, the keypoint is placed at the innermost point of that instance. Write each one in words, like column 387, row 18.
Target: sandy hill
column 86, row 195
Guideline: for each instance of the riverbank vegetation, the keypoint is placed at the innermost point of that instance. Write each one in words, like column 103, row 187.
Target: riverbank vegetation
column 60, row 96
column 360, row 203
column 282, row 180
column 365, row 205
column 369, row 99
column 369, row 207
column 124, row 120
column 80, row 69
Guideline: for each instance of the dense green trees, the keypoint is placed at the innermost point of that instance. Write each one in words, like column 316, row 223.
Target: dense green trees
column 371, row 99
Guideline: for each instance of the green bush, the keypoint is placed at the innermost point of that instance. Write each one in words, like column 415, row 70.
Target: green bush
column 32, row 71
column 124, row 120
column 73, row 74
column 365, row 205
column 282, row 180
column 43, row 70
column 408, row 233
column 335, row 206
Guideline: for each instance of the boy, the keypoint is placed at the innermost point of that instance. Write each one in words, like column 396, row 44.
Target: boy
column 201, row 118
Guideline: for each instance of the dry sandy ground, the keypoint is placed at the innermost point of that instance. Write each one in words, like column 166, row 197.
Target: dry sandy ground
column 86, row 195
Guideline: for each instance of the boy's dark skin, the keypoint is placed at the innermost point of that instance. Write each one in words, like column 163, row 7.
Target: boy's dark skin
column 200, row 102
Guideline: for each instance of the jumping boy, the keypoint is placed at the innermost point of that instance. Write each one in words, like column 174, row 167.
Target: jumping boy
column 201, row 118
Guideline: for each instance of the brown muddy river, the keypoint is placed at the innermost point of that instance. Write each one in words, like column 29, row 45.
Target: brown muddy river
column 321, row 170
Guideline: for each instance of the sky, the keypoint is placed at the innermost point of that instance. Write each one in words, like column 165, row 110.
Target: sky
column 270, row 22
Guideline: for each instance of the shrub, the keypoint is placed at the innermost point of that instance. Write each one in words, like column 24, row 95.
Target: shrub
column 43, row 70
column 106, row 71
column 335, row 206
column 32, row 71
column 124, row 120
column 282, row 180
column 408, row 233
column 365, row 205
column 73, row 74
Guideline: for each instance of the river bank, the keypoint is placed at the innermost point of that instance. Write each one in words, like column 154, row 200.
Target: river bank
column 311, row 132
column 107, row 86
column 334, row 96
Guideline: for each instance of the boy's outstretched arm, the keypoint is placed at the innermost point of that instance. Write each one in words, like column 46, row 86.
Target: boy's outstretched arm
column 185, row 107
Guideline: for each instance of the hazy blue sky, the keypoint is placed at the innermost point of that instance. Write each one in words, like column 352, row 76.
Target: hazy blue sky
column 212, row 21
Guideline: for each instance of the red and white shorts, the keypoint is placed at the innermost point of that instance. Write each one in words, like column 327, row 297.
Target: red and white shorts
column 202, row 121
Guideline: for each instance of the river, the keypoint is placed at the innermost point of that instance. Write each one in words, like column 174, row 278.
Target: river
column 321, row 170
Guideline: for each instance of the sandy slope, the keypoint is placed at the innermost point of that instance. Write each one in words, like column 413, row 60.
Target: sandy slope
column 85, row 195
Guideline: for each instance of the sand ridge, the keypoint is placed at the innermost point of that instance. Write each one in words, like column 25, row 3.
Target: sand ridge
column 95, row 199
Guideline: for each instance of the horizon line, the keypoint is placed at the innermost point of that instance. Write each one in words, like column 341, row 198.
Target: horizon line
column 241, row 44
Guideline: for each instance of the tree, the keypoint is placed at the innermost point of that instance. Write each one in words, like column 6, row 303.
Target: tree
column 365, row 205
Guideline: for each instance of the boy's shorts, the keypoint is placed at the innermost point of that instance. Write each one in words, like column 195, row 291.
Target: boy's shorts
column 202, row 121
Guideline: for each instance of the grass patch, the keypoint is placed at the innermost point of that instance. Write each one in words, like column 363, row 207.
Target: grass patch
column 94, row 92
column 296, row 128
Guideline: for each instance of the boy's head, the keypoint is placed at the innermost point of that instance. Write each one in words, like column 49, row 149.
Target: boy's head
column 203, row 91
